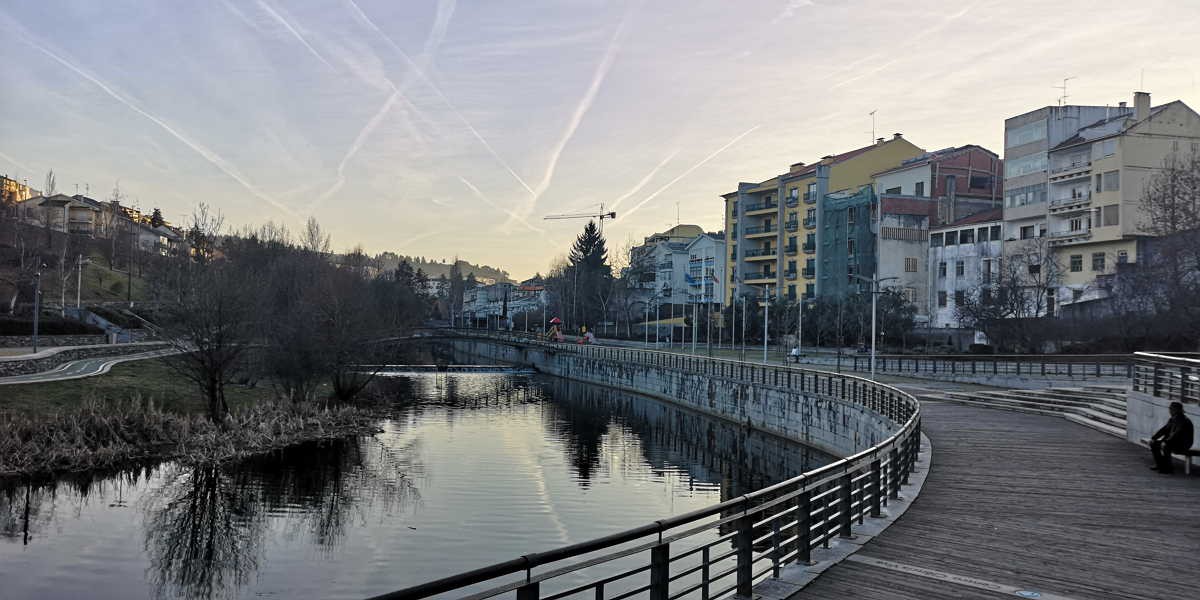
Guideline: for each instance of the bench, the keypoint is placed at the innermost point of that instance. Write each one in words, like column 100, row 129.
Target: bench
column 1187, row 456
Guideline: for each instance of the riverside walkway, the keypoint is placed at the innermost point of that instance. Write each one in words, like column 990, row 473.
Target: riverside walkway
column 1027, row 503
column 84, row 367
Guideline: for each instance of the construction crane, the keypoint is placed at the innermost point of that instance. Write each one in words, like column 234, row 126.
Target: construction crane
column 600, row 216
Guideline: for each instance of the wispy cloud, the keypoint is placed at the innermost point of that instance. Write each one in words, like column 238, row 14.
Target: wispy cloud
column 292, row 29
column 642, row 183
column 789, row 10
column 211, row 156
column 15, row 162
column 585, row 103
column 672, row 182
column 518, row 218
column 355, row 146
column 437, row 91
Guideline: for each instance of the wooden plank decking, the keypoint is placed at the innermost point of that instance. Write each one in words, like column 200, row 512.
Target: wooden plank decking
column 1031, row 503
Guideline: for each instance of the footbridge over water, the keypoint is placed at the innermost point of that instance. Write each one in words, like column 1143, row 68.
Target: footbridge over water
column 1010, row 505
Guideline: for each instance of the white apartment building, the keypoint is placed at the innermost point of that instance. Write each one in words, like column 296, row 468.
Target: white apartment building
column 705, row 275
column 963, row 257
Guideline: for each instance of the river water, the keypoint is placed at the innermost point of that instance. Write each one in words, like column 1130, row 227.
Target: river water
column 472, row 469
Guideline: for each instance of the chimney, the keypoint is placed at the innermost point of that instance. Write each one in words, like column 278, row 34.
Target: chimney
column 1121, row 104
column 878, row 140
column 1141, row 105
column 896, row 136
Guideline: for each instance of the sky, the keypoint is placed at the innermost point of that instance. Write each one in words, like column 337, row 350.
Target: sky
column 440, row 128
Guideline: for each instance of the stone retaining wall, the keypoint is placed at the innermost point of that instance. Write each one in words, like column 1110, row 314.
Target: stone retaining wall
column 25, row 341
column 838, row 427
column 49, row 359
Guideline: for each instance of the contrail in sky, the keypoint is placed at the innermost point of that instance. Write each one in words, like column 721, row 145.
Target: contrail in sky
column 209, row 155
column 438, row 92
column 520, row 219
column 287, row 25
column 15, row 163
column 359, row 140
column 585, row 103
column 641, row 184
column 693, row 168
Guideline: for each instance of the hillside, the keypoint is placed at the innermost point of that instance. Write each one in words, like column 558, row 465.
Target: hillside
column 436, row 268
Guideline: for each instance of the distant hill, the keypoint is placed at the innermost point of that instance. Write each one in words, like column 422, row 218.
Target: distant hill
column 435, row 268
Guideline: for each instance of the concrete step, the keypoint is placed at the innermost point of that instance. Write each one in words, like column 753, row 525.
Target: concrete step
column 1115, row 411
column 1117, row 408
column 1051, row 406
column 1111, row 427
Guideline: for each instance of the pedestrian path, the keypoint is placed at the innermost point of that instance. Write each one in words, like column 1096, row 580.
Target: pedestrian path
column 1030, row 506
column 86, row 367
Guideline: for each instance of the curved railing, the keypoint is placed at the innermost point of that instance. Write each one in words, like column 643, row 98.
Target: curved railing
column 724, row 549
column 1170, row 375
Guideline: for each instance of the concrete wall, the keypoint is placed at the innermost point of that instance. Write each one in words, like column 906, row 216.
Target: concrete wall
column 1148, row 413
column 832, row 425
column 46, row 341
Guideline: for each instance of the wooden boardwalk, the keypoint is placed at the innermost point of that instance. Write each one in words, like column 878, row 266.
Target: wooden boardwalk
column 1026, row 503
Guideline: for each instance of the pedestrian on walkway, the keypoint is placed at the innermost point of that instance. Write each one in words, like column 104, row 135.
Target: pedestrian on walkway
column 1176, row 436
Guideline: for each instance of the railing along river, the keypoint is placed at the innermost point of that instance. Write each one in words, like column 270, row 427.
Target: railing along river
column 1048, row 365
column 1173, row 376
column 724, row 549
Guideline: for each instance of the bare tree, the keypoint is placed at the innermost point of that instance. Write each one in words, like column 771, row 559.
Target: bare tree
column 51, row 186
column 1010, row 309
column 314, row 239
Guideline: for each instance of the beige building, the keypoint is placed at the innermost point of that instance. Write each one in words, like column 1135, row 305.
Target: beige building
column 1095, row 184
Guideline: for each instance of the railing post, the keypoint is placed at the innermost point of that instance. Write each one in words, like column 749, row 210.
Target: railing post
column 704, row 575
column 660, row 571
column 775, row 551
column 804, row 526
column 744, row 543
column 894, row 474
column 876, row 489
column 844, row 506
column 528, row 591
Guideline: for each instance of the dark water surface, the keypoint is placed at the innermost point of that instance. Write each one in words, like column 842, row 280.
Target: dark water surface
column 481, row 468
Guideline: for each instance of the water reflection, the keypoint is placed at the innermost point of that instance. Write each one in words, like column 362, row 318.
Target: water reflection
column 522, row 464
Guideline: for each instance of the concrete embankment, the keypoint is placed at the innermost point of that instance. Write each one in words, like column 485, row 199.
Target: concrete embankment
column 794, row 408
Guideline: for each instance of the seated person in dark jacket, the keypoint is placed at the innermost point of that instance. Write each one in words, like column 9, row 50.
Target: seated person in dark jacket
column 1175, row 436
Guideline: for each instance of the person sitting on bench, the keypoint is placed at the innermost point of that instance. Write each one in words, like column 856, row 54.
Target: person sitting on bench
column 1175, row 436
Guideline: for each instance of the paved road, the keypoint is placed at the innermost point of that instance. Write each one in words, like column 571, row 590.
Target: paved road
column 1027, row 503
column 78, row 369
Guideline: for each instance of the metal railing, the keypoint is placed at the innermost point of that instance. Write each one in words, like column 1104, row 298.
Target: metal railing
column 1080, row 366
column 723, row 550
column 761, row 206
column 761, row 229
column 1171, row 376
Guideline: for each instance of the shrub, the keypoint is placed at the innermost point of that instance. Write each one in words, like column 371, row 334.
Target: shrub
column 46, row 326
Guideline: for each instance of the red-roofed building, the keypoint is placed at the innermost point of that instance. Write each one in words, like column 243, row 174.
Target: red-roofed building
column 964, row 180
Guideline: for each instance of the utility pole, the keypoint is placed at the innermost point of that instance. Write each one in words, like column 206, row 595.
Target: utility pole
column 37, row 306
column 78, row 280
column 743, row 328
column 129, row 278
column 695, row 307
column 766, row 319
column 800, row 328
column 657, row 322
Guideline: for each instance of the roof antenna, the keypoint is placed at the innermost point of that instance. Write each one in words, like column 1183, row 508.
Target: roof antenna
column 1062, row 100
column 872, row 113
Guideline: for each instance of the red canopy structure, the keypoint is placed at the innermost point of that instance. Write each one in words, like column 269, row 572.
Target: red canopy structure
column 556, row 321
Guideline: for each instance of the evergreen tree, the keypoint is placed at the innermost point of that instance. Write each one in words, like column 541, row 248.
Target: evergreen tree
column 156, row 218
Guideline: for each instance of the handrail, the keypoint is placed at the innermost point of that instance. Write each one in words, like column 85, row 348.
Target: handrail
column 1171, row 376
column 775, row 525
column 1047, row 365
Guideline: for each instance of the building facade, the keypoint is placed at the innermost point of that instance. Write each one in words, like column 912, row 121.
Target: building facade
column 963, row 257
column 706, row 270
column 773, row 229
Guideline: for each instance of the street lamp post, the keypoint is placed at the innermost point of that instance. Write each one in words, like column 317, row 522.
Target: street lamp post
column 37, row 306
column 874, row 281
column 766, row 320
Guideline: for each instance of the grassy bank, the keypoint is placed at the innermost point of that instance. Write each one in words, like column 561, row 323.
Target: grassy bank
column 144, row 410
column 146, row 379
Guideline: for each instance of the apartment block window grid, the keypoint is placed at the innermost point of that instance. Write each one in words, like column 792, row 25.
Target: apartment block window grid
column 941, row 298
column 1097, row 261
column 960, row 268
column 910, row 264
column 1076, row 263
column 942, row 269
column 960, row 297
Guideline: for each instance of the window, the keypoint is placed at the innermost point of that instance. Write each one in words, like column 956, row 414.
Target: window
column 1076, row 295
column 794, row 193
column 1097, row 261
column 809, row 290
column 1110, row 215
column 1076, row 263
column 951, row 238
column 960, row 298
column 981, row 235
column 810, row 214
column 1030, row 194
column 960, row 268
column 951, row 183
column 791, row 292
column 1025, row 134
column 1035, row 269
column 935, row 240
column 851, row 215
column 996, row 233
column 1026, row 232
column 1122, row 257
column 1075, row 224
column 1050, row 295
column 910, row 295
column 910, row 264
column 941, row 269
column 966, row 236
column 920, row 189
column 1025, row 165
column 941, row 298
column 1112, row 181
column 850, row 247
column 892, row 190
column 791, row 265
column 1098, row 179
column 980, row 182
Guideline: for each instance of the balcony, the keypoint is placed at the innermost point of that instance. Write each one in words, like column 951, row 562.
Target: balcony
column 810, row 247
column 761, row 208
column 810, row 198
column 759, row 277
column 808, row 272
column 789, row 275
column 810, row 222
column 1073, row 236
column 666, row 266
column 792, row 225
column 790, row 250
column 761, row 231
column 761, row 254
column 1070, row 172
column 792, row 201
column 1075, row 203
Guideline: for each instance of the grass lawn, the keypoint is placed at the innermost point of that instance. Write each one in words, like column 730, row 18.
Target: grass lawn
column 149, row 379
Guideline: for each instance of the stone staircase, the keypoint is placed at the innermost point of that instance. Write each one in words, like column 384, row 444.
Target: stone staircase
column 1097, row 406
